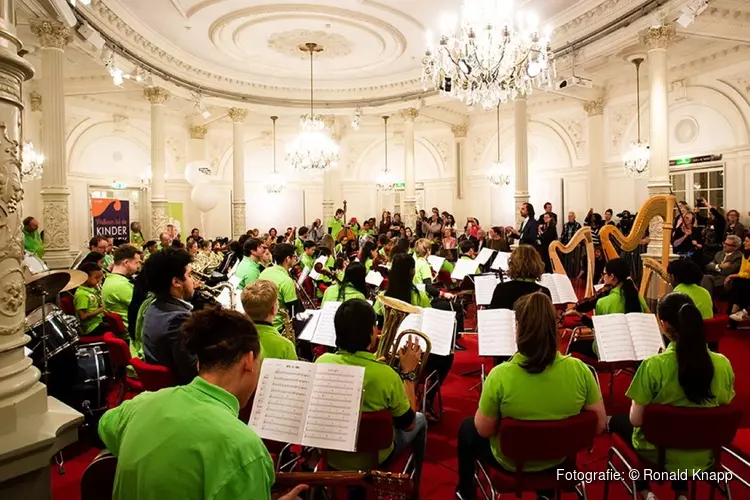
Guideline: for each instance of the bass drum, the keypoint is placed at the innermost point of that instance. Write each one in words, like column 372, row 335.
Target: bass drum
column 60, row 332
column 89, row 394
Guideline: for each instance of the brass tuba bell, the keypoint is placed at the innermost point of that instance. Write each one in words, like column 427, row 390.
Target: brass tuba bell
column 395, row 311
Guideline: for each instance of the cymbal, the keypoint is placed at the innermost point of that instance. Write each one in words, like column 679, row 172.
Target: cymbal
column 48, row 283
column 77, row 278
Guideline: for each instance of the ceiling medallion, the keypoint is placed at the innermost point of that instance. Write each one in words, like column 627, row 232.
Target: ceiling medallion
column 292, row 44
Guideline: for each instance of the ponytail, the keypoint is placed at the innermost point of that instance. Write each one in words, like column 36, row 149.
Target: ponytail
column 619, row 269
column 695, row 369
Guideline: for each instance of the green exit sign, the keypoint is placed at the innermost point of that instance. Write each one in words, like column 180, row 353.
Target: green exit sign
column 399, row 185
column 690, row 160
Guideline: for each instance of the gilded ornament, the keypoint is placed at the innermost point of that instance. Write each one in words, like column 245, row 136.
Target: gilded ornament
column 198, row 132
column 52, row 34
column 56, row 225
column 594, row 108
column 409, row 115
column 12, row 296
column 237, row 115
column 159, row 218
column 460, row 131
column 658, row 37
column 35, row 98
column 156, row 95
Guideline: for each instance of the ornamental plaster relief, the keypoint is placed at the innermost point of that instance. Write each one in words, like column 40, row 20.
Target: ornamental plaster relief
column 619, row 119
column 574, row 127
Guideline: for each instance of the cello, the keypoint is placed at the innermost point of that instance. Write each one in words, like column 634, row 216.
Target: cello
column 346, row 232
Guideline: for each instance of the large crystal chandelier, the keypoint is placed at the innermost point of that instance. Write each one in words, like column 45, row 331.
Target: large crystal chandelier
column 32, row 163
column 385, row 181
column 495, row 174
column 275, row 183
column 637, row 159
column 312, row 150
column 495, row 56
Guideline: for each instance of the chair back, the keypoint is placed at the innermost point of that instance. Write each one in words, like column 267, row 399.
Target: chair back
column 375, row 432
column 67, row 305
column 716, row 328
column 153, row 377
column 119, row 352
column 114, row 321
column 98, row 480
column 444, row 277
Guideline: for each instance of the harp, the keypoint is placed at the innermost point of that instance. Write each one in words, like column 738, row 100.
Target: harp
column 572, row 249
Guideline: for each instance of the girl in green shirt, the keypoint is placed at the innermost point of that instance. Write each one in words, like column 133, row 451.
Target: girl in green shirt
column 351, row 287
column 368, row 253
column 686, row 276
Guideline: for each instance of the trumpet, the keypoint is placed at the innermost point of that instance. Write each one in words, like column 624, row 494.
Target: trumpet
column 395, row 312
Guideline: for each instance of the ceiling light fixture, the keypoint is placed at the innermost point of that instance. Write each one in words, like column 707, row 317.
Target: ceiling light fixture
column 275, row 183
column 495, row 56
column 637, row 159
column 385, row 182
column 32, row 163
column 495, row 173
column 357, row 120
column 312, row 150
column 691, row 11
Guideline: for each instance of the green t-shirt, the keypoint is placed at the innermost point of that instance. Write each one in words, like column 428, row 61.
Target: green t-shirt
column 334, row 226
column 299, row 245
column 307, row 261
column 272, row 344
column 614, row 303
column 366, row 232
column 332, row 294
column 108, row 261
column 418, row 298
column 185, row 442
column 247, row 271
column 447, row 266
column 422, row 270
column 136, row 239
column 368, row 265
column 700, row 297
column 287, row 290
column 382, row 390
column 136, row 343
column 88, row 299
column 559, row 392
column 117, row 293
column 32, row 243
column 656, row 382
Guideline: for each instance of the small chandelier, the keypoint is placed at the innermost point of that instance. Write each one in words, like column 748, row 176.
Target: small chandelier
column 385, row 182
column 638, row 158
column 275, row 182
column 495, row 174
column 32, row 163
column 312, row 150
column 496, row 56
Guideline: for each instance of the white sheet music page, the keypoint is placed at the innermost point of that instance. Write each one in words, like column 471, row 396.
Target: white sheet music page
column 309, row 330
column 374, row 278
column 463, row 268
column 282, row 399
column 234, row 281
column 501, row 261
column 321, row 260
column 333, row 412
column 303, row 276
column 436, row 263
column 613, row 338
column 484, row 288
column 225, row 298
column 496, row 329
column 645, row 334
column 411, row 322
column 325, row 331
column 439, row 327
column 485, row 254
column 599, row 286
column 560, row 288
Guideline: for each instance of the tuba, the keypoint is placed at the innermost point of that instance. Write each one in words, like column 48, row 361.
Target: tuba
column 395, row 313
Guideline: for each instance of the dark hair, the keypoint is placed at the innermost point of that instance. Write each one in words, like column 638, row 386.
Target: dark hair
column 530, row 210
column 382, row 239
column 354, row 276
column 303, row 231
column 91, row 257
column 400, row 279
column 148, row 244
column 250, row 245
column 282, row 251
column 242, row 239
column 403, row 244
column 548, row 203
column 537, row 336
column 94, row 242
column 695, row 370
column 163, row 266
column 236, row 248
column 466, row 245
column 308, row 244
column 176, row 243
column 124, row 252
column 89, row 267
column 609, row 210
column 219, row 337
column 498, row 230
column 340, row 211
column 353, row 323
column 369, row 247
column 619, row 269
column 205, row 243
column 194, row 230
column 685, row 271
column 27, row 220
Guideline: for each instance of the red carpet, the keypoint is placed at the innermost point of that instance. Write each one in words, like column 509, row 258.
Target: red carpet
column 460, row 401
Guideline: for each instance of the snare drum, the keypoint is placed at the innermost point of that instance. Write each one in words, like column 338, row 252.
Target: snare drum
column 61, row 333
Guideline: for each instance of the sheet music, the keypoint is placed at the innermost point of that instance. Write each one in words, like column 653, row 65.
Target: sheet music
column 501, row 262
column 613, row 338
column 374, row 278
column 234, row 281
column 645, row 334
column 421, row 287
column 485, row 254
column 281, row 400
column 309, row 330
column 463, row 268
column 484, row 288
column 325, row 331
column 322, row 261
column 436, row 262
column 303, row 275
column 496, row 329
column 333, row 413
column 411, row 322
column 439, row 326
column 599, row 287
column 560, row 288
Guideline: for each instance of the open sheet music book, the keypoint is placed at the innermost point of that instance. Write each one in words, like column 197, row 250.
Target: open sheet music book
column 560, row 288
column 436, row 263
column 437, row 325
column 496, row 329
column 321, row 260
column 484, row 288
column 501, row 262
column 464, row 268
column 627, row 337
column 485, row 255
column 320, row 329
column 308, row 404
column 374, row 278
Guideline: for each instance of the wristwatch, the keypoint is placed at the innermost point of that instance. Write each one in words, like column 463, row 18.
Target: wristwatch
column 409, row 377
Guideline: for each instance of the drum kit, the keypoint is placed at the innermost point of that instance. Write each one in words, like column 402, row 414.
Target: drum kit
column 76, row 374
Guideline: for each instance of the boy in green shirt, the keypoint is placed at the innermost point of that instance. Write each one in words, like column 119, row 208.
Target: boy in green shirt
column 88, row 301
column 306, row 259
column 259, row 300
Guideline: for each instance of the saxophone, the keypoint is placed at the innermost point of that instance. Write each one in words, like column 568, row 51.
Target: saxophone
column 288, row 332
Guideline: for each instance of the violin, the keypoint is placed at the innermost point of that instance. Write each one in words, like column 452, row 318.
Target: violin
column 589, row 303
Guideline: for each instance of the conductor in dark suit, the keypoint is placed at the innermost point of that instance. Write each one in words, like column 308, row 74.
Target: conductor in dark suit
column 527, row 233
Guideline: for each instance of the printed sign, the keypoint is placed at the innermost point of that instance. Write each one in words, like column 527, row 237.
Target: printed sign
column 111, row 218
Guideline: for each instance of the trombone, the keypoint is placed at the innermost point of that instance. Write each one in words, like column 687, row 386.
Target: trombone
column 395, row 313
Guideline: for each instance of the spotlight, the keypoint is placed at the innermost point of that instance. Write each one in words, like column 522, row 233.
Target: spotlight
column 203, row 110
column 116, row 74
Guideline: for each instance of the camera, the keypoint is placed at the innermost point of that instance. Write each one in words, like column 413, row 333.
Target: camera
column 626, row 221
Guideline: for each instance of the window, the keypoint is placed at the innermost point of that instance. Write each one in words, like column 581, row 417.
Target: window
column 692, row 185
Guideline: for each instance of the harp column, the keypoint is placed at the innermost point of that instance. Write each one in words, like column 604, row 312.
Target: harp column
column 522, row 155
column 409, row 205
column 239, row 205
column 595, row 110
column 157, row 96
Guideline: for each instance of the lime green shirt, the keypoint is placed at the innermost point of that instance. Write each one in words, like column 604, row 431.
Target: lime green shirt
column 614, row 303
column 88, row 299
column 185, row 442
column 368, row 265
column 332, row 294
column 366, row 232
column 108, row 261
column 334, row 226
column 447, row 266
column 272, row 344
column 700, row 297
column 136, row 343
column 422, row 270
column 287, row 291
column 307, row 261
column 561, row 391
column 32, row 243
column 382, row 390
column 418, row 298
column 299, row 246
column 247, row 271
column 117, row 293
column 136, row 239
column 656, row 382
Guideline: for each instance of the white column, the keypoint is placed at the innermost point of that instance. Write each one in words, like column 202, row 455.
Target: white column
column 459, row 166
column 522, row 155
column 239, row 208
column 410, row 200
column 595, row 110
column 54, row 37
column 157, row 96
column 33, row 426
column 32, row 131
column 197, row 144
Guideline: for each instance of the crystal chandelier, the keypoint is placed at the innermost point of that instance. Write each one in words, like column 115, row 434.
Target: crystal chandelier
column 494, row 57
column 495, row 174
column 32, row 163
column 312, row 150
column 637, row 159
column 385, row 182
column 275, row 182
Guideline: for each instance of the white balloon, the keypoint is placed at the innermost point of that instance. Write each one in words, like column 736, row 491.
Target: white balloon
column 197, row 173
column 204, row 197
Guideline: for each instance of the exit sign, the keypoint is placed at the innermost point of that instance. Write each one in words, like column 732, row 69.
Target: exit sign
column 692, row 160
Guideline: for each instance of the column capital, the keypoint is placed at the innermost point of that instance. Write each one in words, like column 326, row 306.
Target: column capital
column 156, row 95
column 658, row 37
column 460, row 131
column 198, row 132
column 594, row 108
column 35, row 99
column 52, row 34
column 409, row 114
column 238, row 115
